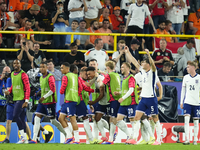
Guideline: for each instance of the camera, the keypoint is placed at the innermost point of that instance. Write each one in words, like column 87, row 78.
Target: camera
column 7, row 74
column 24, row 43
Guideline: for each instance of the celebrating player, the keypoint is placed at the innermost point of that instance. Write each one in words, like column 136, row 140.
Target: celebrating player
column 101, row 101
column 94, row 85
column 69, row 87
column 149, row 101
column 112, row 81
column 21, row 92
column 190, row 98
column 47, row 103
column 129, row 99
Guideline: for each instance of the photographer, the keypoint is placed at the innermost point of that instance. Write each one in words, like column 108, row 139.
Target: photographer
column 5, row 84
column 25, row 55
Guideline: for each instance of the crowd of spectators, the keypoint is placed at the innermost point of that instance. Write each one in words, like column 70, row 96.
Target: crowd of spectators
column 98, row 16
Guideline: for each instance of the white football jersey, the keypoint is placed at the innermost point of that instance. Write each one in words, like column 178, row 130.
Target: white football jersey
column 104, row 100
column 192, row 86
column 149, row 80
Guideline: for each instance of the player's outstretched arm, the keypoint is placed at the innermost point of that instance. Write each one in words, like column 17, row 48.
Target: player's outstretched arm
column 153, row 66
column 131, row 58
column 160, row 90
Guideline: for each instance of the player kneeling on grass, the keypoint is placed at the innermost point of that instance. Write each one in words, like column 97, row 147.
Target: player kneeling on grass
column 47, row 102
column 149, row 101
column 190, row 96
column 69, row 87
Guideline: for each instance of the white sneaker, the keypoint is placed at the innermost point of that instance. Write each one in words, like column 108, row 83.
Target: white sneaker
column 195, row 143
column 22, row 141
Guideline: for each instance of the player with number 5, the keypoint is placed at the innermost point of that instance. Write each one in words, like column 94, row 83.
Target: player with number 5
column 190, row 100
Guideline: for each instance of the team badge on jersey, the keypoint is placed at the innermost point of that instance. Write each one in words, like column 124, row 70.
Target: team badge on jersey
column 197, row 81
column 158, row 53
column 166, row 54
column 142, row 10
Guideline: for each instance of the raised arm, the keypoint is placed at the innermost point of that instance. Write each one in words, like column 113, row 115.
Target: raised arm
column 131, row 58
column 153, row 66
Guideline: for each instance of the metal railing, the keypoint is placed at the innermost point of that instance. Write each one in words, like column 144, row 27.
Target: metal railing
column 115, row 35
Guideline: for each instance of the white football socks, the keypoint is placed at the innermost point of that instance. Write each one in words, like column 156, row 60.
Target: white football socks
column 101, row 128
column 158, row 130
column 36, row 127
column 76, row 135
column 96, row 131
column 105, row 124
column 196, row 130
column 187, row 127
column 122, row 125
column 136, row 128
column 68, row 131
column 88, row 129
column 147, row 127
column 58, row 126
column 112, row 131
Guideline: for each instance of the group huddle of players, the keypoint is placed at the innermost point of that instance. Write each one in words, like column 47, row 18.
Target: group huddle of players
column 110, row 96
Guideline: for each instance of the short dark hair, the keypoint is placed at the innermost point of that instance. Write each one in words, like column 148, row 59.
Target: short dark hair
column 36, row 44
column 105, row 20
column 122, row 24
column 73, row 44
column 191, row 40
column 50, row 60
column 41, row 24
column 146, row 60
column 17, row 60
column 73, row 67
column 43, row 62
column 44, row 6
column 97, row 41
column 28, row 20
column 75, row 21
column 167, row 22
column 90, row 69
column 161, row 21
column 66, row 64
column 93, row 60
column 92, row 22
column 83, row 21
column 83, row 69
column 167, row 64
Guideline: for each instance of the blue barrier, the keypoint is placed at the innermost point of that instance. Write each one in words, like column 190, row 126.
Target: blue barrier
column 14, row 136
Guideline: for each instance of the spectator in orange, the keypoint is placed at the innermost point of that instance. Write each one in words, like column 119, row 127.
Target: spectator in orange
column 24, row 5
column 108, row 5
column 94, row 26
column 116, row 18
column 12, row 5
column 38, row 2
column 27, row 27
column 161, row 30
column 194, row 23
column 170, row 30
column 107, row 40
column 105, row 15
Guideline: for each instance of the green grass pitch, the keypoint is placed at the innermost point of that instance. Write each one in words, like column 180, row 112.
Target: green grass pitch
column 58, row 146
